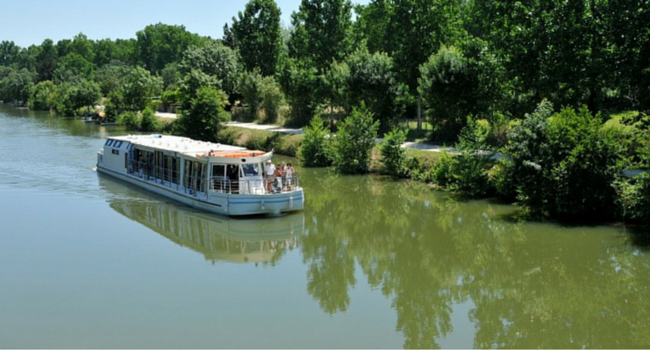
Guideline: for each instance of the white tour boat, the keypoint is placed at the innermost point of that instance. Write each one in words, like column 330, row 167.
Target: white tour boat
column 218, row 178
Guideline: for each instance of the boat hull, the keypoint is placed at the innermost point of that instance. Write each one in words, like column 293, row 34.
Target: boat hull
column 220, row 203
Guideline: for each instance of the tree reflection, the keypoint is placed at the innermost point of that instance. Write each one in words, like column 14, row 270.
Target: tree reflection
column 532, row 285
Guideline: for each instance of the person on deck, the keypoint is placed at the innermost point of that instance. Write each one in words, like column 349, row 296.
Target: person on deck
column 269, row 171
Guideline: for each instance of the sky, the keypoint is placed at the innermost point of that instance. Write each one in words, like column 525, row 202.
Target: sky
column 29, row 22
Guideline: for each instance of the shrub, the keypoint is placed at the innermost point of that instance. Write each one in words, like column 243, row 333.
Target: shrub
column 271, row 99
column 393, row 155
column 633, row 201
column 149, row 121
column 565, row 165
column 355, row 140
column 315, row 150
column 130, row 120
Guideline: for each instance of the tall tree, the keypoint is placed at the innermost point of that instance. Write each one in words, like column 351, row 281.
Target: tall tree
column 256, row 34
column 322, row 32
column 213, row 59
column 8, row 53
column 46, row 60
column 160, row 44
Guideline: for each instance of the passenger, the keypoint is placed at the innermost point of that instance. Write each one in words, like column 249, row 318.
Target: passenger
column 278, row 179
column 269, row 171
column 289, row 175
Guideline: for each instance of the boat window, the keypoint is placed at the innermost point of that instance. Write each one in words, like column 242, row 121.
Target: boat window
column 109, row 142
column 115, row 151
column 118, row 144
column 218, row 170
column 250, row 169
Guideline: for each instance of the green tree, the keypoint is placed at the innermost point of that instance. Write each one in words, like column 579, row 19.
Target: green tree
column 83, row 47
column 392, row 153
column 301, row 86
column 43, row 96
column 251, row 85
column 112, row 76
column 8, row 53
column 315, row 149
column 72, row 68
column 213, row 59
column 372, row 80
column 354, row 141
column 72, row 97
column 322, row 32
column 159, row 44
column 16, row 85
column 272, row 99
column 565, row 165
column 205, row 115
column 256, row 34
column 140, row 86
column 446, row 84
column 46, row 60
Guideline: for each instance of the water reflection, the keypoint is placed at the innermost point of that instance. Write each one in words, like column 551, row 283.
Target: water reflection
column 531, row 285
column 248, row 240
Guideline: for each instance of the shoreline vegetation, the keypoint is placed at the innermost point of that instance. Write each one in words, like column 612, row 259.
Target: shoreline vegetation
column 546, row 103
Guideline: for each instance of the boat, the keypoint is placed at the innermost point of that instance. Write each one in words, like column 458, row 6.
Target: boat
column 220, row 239
column 217, row 178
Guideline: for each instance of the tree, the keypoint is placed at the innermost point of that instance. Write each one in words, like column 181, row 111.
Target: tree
column 251, row 85
column 300, row 84
column 354, row 141
column 417, row 29
column 160, row 44
column 8, row 53
column 213, row 59
column 112, row 76
column 322, row 31
column 46, row 60
column 371, row 79
column 256, row 34
column 72, row 68
column 446, row 84
column 140, row 86
column 16, row 85
column 315, row 149
column 393, row 154
column 205, row 115
column 43, row 96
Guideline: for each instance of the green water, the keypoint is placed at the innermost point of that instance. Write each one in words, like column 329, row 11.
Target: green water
column 87, row 261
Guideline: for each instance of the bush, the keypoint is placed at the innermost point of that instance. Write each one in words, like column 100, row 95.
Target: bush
column 633, row 201
column 565, row 165
column 149, row 121
column 393, row 155
column 130, row 120
column 315, row 150
column 355, row 140
column 271, row 99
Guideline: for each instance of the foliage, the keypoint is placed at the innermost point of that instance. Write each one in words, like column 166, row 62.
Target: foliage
column 159, row 44
column 446, row 85
column 16, row 85
column 256, row 34
column 71, row 97
column 42, row 96
column 393, row 154
column 315, row 150
column 215, row 60
column 300, row 85
column 204, row 116
column 272, row 99
column 565, row 164
column 139, row 87
column 129, row 119
column 112, row 76
column 371, row 79
column 354, row 141
column 72, row 68
column 251, row 85
column 467, row 173
column 633, row 200
column 321, row 32
column 149, row 121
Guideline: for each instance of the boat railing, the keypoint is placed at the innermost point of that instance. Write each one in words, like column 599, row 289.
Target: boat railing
column 221, row 185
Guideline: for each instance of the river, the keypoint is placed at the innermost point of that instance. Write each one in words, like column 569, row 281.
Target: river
column 90, row 262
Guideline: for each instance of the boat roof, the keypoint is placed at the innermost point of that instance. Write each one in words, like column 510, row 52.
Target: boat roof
column 188, row 146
